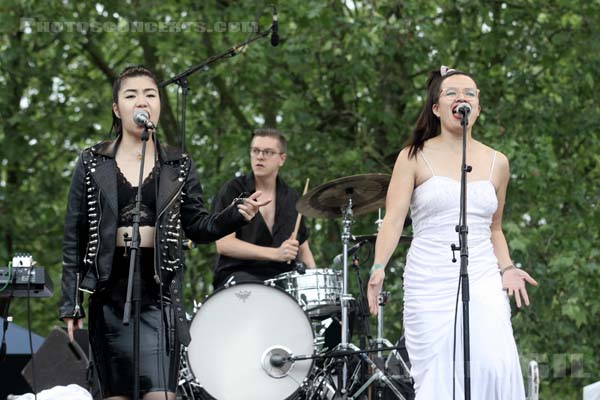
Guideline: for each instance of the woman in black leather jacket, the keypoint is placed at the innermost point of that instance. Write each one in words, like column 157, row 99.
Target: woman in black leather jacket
column 98, row 231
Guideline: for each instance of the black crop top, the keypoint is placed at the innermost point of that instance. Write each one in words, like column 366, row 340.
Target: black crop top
column 126, row 194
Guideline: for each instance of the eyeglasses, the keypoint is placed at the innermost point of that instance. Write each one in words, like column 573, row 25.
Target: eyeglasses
column 452, row 92
column 267, row 153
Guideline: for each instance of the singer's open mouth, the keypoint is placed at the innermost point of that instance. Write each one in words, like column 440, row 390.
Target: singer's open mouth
column 455, row 108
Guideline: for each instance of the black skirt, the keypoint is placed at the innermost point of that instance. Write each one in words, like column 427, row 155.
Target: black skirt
column 112, row 342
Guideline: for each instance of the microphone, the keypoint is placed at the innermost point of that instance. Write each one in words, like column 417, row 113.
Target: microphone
column 340, row 257
column 142, row 118
column 278, row 360
column 274, row 29
column 463, row 109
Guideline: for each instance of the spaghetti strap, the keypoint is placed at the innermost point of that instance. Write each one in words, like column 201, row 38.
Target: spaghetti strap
column 492, row 168
column 427, row 162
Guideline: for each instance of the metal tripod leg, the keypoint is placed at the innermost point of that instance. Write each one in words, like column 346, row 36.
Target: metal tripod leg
column 405, row 367
column 377, row 375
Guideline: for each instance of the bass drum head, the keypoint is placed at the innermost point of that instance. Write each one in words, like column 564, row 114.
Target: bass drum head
column 234, row 334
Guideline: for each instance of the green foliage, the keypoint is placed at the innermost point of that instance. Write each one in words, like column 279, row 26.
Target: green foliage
column 345, row 85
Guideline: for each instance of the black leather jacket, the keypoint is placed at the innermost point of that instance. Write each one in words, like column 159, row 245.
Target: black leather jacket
column 92, row 214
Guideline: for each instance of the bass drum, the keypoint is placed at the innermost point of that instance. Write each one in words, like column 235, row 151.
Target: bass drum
column 241, row 336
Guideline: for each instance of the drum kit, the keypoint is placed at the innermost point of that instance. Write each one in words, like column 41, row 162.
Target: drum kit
column 287, row 337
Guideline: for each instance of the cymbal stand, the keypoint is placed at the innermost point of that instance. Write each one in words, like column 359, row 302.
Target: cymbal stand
column 381, row 343
column 378, row 377
column 378, row 366
column 381, row 302
column 379, row 220
column 382, row 299
column 342, row 363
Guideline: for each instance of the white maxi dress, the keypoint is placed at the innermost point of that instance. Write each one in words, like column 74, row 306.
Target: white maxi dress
column 430, row 287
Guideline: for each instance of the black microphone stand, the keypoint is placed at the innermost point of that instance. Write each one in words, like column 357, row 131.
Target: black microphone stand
column 134, row 279
column 463, row 231
column 182, row 81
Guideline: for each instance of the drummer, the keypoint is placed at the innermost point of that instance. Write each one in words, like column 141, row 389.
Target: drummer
column 265, row 247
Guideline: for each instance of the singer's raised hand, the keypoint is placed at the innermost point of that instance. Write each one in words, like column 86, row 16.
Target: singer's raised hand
column 251, row 205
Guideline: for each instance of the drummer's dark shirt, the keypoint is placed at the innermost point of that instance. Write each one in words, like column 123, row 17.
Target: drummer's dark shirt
column 257, row 232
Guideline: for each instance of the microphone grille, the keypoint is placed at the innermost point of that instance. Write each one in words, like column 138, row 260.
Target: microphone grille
column 465, row 106
column 140, row 115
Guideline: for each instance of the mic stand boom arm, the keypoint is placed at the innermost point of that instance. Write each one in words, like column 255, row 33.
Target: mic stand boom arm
column 182, row 81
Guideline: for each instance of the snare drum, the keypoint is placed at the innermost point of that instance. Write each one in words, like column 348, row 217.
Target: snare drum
column 236, row 333
column 317, row 290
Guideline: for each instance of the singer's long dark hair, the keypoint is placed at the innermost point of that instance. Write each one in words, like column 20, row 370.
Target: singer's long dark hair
column 129, row 72
column 428, row 124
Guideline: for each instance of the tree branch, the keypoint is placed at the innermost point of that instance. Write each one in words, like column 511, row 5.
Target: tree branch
column 98, row 59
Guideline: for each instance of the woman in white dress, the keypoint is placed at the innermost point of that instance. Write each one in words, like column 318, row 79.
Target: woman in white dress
column 426, row 178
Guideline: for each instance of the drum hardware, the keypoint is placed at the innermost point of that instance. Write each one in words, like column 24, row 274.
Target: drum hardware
column 230, row 281
column 275, row 361
column 347, row 197
column 323, row 383
column 249, row 331
column 382, row 363
column 346, row 223
column 196, row 307
column 320, row 327
column 316, row 290
column 286, row 365
column 373, row 237
column 329, row 199
column 378, row 375
column 382, row 300
column 322, row 387
column 188, row 387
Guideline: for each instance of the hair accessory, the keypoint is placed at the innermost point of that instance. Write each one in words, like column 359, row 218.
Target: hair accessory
column 444, row 70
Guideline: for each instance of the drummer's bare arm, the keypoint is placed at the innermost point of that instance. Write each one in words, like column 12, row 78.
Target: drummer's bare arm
column 305, row 255
column 231, row 246
column 397, row 204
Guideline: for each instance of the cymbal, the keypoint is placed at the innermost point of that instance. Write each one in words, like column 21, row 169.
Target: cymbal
column 368, row 193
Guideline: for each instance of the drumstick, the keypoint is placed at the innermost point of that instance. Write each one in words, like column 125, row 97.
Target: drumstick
column 300, row 215
column 295, row 233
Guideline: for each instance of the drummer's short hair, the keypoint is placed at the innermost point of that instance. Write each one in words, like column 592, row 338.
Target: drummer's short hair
column 273, row 133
